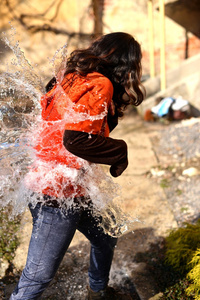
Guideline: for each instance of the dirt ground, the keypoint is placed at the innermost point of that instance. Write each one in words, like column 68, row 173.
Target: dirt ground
column 155, row 192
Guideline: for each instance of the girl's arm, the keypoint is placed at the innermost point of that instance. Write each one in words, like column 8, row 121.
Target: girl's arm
column 98, row 149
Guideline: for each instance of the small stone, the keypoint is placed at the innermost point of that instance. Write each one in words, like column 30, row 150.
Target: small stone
column 157, row 172
column 191, row 172
column 181, row 178
column 157, row 296
column 4, row 264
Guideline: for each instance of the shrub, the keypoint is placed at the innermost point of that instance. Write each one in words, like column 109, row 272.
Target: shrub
column 194, row 276
column 177, row 291
column 181, row 246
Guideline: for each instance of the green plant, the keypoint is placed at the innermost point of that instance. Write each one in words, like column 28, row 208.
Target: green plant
column 8, row 234
column 164, row 183
column 181, row 245
column 177, row 291
column 194, row 276
column 179, row 192
column 184, row 209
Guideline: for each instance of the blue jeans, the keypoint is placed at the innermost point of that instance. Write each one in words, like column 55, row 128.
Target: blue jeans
column 52, row 233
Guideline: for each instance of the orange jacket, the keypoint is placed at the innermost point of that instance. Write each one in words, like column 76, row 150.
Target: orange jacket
column 88, row 98
column 79, row 105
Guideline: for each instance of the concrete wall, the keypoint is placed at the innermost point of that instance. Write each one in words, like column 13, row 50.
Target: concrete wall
column 183, row 81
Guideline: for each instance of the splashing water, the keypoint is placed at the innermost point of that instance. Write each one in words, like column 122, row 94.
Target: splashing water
column 21, row 89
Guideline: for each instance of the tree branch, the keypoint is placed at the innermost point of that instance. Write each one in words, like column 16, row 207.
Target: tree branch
column 24, row 19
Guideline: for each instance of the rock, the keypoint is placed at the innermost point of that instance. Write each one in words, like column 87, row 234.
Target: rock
column 24, row 105
column 156, row 297
column 191, row 172
column 4, row 264
column 156, row 172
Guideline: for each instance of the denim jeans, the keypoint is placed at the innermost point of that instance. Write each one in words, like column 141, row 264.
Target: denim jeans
column 52, row 233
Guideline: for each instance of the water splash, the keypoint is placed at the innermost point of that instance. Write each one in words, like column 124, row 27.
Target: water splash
column 19, row 69
column 58, row 62
column 21, row 89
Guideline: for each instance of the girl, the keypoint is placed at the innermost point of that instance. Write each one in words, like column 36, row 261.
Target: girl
column 98, row 84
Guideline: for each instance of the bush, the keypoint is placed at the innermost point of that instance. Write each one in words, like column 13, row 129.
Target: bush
column 194, row 276
column 181, row 246
column 177, row 291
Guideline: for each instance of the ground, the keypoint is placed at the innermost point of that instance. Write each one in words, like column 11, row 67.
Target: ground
column 157, row 192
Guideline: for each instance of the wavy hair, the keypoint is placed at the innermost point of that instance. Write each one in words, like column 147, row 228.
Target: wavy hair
column 118, row 57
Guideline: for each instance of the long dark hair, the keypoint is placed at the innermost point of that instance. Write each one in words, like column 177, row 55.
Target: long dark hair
column 118, row 57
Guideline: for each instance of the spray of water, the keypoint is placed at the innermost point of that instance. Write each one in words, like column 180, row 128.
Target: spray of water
column 21, row 174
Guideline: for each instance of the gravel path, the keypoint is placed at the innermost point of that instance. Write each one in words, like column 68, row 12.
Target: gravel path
column 181, row 141
column 177, row 147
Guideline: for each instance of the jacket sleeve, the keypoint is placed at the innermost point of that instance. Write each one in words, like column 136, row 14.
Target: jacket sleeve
column 98, row 149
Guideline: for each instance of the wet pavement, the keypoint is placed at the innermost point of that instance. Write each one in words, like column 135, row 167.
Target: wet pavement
column 157, row 192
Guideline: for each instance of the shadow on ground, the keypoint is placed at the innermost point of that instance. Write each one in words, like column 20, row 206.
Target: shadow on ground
column 138, row 265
